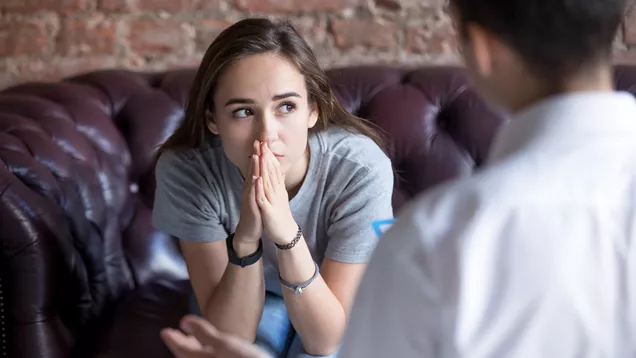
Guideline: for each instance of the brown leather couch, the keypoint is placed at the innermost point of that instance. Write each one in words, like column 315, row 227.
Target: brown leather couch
column 83, row 273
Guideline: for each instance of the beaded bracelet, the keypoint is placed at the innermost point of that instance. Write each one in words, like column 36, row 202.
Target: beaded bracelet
column 292, row 243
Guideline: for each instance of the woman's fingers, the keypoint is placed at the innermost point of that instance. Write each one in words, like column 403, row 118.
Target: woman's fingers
column 261, row 197
column 249, row 173
column 256, row 163
column 272, row 183
column 272, row 166
column 264, row 165
column 252, row 172
column 276, row 176
column 265, row 173
column 267, row 167
column 257, row 148
column 258, row 153
column 252, row 181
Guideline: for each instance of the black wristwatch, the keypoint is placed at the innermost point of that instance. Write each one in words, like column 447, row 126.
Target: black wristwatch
column 243, row 261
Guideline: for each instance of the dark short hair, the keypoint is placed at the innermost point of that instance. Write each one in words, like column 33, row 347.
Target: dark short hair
column 554, row 37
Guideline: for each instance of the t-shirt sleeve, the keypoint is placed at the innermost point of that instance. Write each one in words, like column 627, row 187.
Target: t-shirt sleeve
column 367, row 199
column 185, row 204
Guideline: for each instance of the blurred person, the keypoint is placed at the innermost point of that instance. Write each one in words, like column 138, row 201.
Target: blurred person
column 535, row 255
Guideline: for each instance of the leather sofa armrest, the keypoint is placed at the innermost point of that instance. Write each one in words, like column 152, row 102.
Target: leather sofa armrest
column 32, row 276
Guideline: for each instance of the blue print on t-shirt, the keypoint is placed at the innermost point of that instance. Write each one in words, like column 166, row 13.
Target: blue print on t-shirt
column 381, row 226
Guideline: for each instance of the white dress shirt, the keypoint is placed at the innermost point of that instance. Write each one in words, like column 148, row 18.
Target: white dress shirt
column 533, row 256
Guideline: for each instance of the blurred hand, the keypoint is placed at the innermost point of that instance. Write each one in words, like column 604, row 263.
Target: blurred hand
column 203, row 340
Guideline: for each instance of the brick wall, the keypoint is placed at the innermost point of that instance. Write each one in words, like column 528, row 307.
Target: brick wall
column 48, row 39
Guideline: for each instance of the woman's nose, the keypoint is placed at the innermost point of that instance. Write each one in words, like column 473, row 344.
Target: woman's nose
column 268, row 131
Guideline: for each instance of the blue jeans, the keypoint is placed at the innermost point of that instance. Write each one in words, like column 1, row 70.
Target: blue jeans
column 275, row 333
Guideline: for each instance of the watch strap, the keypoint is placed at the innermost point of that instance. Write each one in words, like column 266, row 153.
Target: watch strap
column 246, row 260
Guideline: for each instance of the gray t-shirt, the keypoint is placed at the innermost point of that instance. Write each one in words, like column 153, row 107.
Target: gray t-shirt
column 348, row 186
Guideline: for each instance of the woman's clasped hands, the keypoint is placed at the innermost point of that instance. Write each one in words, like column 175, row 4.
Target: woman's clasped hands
column 265, row 203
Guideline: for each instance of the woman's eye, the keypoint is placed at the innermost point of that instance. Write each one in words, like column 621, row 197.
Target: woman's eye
column 242, row 113
column 287, row 107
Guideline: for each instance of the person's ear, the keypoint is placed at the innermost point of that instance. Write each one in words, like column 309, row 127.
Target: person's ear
column 209, row 119
column 485, row 48
column 313, row 115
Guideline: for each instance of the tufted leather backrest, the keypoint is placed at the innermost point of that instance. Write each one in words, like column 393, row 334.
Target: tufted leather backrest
column 76, row 179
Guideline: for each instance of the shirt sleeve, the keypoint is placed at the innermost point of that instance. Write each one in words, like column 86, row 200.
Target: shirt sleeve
column 398, row 310
column 185, row 204
column 366, row 199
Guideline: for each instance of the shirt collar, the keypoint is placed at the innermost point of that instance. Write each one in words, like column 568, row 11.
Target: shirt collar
column 563, row 118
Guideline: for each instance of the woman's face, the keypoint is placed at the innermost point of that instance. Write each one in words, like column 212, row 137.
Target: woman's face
column 263, row 98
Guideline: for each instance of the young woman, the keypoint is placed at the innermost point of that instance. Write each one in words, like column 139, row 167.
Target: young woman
column 272, row 188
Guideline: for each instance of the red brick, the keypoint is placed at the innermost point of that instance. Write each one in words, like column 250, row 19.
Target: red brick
column 420, row 4
column 72, row 66
column 115, row 5
column 37, row 69
column 55, row 69
column 205, row 4
column 156, row 37
column 192, row 61
column 161, row 5
column 177, row 5
column 629, row 27
column 24, row 37
column 312, row 30
column 33, row 6
column 133, row 61
column 207, row 31
column 368, row 33
column 294, row 6
column 7, row 77
column 433, row 38
column 389, row 4
column 94, row 35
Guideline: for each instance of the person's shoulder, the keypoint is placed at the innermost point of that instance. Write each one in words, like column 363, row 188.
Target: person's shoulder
column 442, row 199
column 444, row 207
column 355, row 148
column 176, row 159
column 173, row 161
column 457, row 204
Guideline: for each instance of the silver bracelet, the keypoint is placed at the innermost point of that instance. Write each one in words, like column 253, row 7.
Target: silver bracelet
column 300, row 287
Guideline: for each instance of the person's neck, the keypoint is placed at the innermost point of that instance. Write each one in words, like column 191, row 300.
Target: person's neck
column 296, row 176
column 598, row 79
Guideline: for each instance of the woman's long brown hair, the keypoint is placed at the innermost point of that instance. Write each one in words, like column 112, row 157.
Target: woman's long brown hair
column 256, row 36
